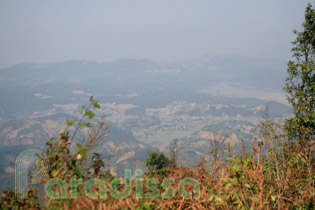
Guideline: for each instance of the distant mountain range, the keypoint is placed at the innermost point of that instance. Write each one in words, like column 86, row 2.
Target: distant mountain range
column 32, row 87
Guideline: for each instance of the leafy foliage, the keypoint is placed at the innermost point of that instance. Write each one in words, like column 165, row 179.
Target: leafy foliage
column 9, row 201
column 157, row 163
column 300, row 83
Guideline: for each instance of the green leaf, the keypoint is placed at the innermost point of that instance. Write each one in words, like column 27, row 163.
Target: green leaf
column 85, row 124
column 219, row 200
column 71, row 122
column 78, row 171
column 82, row 150
column 90, row 114
column 247, row 185
column 96, row 105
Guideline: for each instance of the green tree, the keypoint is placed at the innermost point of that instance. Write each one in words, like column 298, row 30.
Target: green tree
column 157, row 163
column 300, row 83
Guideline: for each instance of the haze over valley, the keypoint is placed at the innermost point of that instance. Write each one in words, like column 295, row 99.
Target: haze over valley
column 147, row 103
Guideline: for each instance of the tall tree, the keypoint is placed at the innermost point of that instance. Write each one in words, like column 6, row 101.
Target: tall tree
column 300, row 83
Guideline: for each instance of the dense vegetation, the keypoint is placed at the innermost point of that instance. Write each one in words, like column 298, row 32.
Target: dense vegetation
column 281, row 177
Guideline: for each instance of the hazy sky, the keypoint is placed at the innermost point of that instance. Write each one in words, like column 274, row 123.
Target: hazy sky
column 102, row 30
